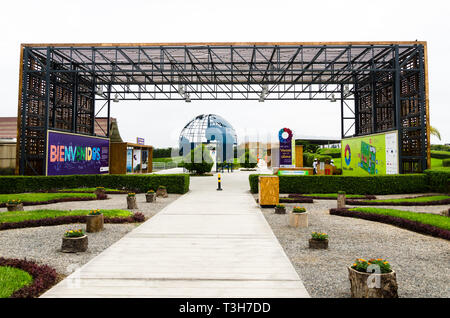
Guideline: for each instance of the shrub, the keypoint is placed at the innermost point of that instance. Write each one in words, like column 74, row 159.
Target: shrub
column 198, row 167
column 74, row 233
column 332, row 152
column 361, row 265
column 390, row 184
column 298, row 209
column 280, row 206
column 175, row 183
column 446, row 163
column 94, row 212
column 440, row 147
column 247, row 160
column 438, row 180
column 440, row 154
column 308, row 158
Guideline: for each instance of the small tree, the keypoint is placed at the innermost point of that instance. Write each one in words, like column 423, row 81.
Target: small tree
column 198, row 160
column 247, row 160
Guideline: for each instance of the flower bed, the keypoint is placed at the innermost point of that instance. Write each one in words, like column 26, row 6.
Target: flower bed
column 45, row 198
column 296, row 200
column 394, row 218
column 44, row 277
column 331, row 196
column 415, row 201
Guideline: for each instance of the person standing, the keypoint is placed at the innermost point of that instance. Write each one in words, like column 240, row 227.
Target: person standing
column 315, row 166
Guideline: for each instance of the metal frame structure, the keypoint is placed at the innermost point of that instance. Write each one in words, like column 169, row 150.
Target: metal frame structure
column 381, row 86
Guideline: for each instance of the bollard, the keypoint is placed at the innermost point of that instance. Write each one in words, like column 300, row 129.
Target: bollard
column 219, row 183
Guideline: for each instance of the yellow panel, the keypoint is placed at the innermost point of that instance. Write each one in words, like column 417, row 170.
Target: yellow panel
column 269, row 188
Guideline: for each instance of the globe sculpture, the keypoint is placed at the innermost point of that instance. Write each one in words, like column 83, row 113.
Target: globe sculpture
column 207, row 129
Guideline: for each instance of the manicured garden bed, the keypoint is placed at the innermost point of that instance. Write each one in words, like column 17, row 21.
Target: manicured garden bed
column 331, row 196
column 18, row 284
column 296, row 200
column 45, row 198
column 425, row 223
column 416, row 201
column 91, row 190
column 22, row 219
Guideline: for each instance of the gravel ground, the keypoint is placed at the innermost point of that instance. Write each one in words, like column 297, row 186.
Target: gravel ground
column 42, row 244
column 421, row 262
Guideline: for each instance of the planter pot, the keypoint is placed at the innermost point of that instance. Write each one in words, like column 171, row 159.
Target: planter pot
column 101, row 194
column 318, row 244
column 74, row 244
column 371, row 285
column 280, row 210
column 298, row 219
column 131, row 203
column 14, row 207
column 94, row 223
column 150, row 197
column 340, row 201
column 162, row 193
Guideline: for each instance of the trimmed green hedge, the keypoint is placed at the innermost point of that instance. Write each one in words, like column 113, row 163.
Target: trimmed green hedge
column 408, row 183
column 333, row 152
column 446, row 163
column 175, row 183
column 438, row 180
column 308, row 158
column 440, row 154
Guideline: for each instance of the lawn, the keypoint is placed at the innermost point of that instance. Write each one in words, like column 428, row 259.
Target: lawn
column 42, row 197
column 333, row 195
column 440, row 221
column 418, row 199
column 19, row 216
column 91, row 190
column 12, row 279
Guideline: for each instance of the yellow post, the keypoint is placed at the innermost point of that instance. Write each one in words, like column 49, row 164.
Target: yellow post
column 219, row 183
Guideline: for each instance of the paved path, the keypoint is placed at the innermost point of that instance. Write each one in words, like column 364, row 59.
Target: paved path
column 207, row 243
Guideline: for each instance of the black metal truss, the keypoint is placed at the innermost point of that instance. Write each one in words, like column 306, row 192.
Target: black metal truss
column 381, row 86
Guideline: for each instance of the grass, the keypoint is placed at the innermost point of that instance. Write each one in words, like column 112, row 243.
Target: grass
column 333, row 195
column 169, row 159
column 42, row 197
column 418, row 199
column 440, row 221
column 82, row 190
column 12, row 279
column 19, row 216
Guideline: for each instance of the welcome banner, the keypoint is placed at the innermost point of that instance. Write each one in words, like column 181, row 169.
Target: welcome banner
column 69, row 154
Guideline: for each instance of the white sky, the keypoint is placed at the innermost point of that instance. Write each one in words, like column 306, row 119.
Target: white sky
column 160, row 122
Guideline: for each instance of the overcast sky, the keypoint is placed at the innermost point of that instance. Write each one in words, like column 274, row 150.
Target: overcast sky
column 160, row 122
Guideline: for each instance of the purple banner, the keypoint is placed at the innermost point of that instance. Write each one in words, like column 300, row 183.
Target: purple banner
column 286, row 154
column 69, row 154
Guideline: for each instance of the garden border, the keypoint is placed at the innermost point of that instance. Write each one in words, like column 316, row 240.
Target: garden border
column 295, row 195
column 414, row 226
column 400, row 203
column 27, row 203
column 44, row 277
column 137, row 217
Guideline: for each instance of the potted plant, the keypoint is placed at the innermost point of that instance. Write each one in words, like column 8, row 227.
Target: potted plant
column 150, row 196
column 341, row 200
column 14, row 205
column 100, row 192
column 298, row 217
column 74, row 241
column 318, row 240
column 131, row 201
column 372, row 279
column 94, row 221
column 161, row 192
column 280, row 209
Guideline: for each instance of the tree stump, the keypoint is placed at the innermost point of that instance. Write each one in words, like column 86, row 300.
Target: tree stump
column 100, row 193
column 371, row 285
column 14, row 207
column 298, row 219
column 74, row 244
column 341, row 200
column 280, row 210
column 162, row 192
column 131, row 203
column 318, row 244
column 150, row 197
column 94, row 223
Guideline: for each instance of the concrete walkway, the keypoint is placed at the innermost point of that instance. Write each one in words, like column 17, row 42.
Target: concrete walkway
column 207, row 243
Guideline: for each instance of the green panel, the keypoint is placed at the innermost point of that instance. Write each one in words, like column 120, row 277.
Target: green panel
column 362, row 156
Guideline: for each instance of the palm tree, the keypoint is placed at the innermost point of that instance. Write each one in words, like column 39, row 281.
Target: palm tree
column 435, row 132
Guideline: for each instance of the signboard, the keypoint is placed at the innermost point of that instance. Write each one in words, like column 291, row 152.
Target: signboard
column 140, row 141
column 370, row 155
column 287, row 148
column 136, row 160
column 69, row 154
column 293, row 173
column 129, row 159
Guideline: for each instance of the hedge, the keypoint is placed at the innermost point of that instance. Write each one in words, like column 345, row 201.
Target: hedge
column 446, row 163
column 308, row 158
column 440, row 154
column 393, row 184
column 333, row 152
column 438, row 180
column 175, row 183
